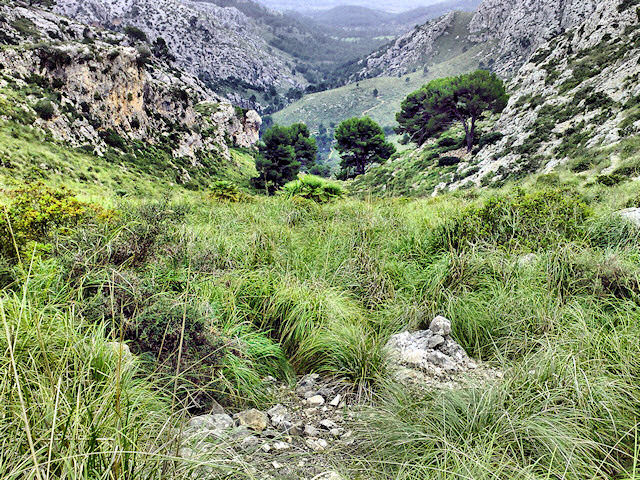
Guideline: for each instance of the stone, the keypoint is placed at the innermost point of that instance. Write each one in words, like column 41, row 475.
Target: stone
column 278, row 414
column 293, row 429
column 328, row 424
column 441, row 360
column 266, row 448
column 254, row 419
column 316, row 401
column 211, row 422
column 281, row 446
column 316, row 444
column 435, row 341
column 631, row 214
column 336, row 432
column 336, row 401
column 249, row 443
column 311, row 431
column 440, row 326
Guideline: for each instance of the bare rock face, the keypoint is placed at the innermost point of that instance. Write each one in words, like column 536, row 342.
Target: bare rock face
column 518, row 27
column 580, row 84
column 407, row 50
column 210, row 42
column 104, row 87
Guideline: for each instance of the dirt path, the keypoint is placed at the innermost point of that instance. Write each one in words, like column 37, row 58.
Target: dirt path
column 382, row 102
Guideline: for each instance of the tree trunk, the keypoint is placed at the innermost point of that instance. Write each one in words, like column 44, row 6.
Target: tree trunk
column 471, row 134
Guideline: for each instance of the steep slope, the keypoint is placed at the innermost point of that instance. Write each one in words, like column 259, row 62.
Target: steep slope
column 518, row 27
column 574, row 110
column 577, row 99
column 81, row 88
column 512, row 28
column 221, row 46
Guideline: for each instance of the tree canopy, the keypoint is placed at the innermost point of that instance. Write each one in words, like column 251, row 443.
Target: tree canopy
column 442, row 102
column 360, row 142
column 282, row 153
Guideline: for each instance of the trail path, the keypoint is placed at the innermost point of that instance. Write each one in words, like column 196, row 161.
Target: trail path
column 382, row 102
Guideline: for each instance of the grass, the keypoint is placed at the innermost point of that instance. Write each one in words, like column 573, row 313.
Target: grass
column 236, row 291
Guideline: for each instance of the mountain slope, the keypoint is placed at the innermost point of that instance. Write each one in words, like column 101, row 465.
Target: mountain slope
column 221, row 46
column 82, row 89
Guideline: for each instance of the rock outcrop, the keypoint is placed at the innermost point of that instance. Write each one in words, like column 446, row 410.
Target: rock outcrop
column 517, row 27
column 221, row 46
column 577, row 95
column 104, row 95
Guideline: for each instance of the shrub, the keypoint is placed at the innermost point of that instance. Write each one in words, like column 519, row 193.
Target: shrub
column 522, row 220
column 113, row 139
column 610, row 180
column 225, row 191
column 34, row 212
column 135, row 33
column 313, row 188
column 44, row 108
column 448, row 161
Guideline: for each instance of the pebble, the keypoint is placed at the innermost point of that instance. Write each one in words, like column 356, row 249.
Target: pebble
column 281, row 446
column 316, row 401
column 336, row 401
column 316, row 444
column 254, row 419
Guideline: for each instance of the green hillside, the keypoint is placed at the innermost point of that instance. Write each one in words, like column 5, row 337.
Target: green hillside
column 357, row 99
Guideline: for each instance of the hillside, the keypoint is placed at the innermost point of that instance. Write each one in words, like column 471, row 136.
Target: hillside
column 65, row 83
column 220, row 46
column 446, row 315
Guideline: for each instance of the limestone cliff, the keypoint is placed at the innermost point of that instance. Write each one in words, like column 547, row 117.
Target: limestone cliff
column 98, row 94
column 221, row 46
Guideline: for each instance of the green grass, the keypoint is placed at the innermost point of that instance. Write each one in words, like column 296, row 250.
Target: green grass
column 276, row 286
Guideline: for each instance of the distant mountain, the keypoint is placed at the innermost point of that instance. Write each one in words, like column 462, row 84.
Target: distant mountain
column 395, row 6
column 354, row 16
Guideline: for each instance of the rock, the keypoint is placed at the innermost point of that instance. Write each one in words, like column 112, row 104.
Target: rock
column 435, row 341
column 216, row 408
column 316, row 444
column 336, row 432
column 441, row 360
column 631, row 214
column 336, row 401
column 311, row 431
column 440, row 326
column 316, row 401
column 266, row 448
column 254, row 419
column 328, row 476
column 328, row 424
column 211, row 422
column 240, row 433
column 293, row 429
column 307, row 383
column 249, row 443
column 281, row 446
column 278, row 414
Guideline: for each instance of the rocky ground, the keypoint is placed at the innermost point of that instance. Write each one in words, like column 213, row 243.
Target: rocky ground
column 310, row 431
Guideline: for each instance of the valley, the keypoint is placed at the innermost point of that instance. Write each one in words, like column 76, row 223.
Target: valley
column 274, row 241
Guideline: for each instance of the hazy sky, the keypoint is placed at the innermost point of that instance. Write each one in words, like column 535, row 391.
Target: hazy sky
column 388, row 5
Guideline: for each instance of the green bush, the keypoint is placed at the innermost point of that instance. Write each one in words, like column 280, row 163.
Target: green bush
column 313, row 188
column 532, row 220
column 44, row 108
column 448, row 161
column 224, row 191
column 34, row 212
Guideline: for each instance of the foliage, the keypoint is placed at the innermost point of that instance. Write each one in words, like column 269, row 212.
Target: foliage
column 284, row 150
column 440, row 103
column 134, row 33
column 522, row 220
column 44, row 108
column 313, row 188
column 276, row 163
column 34, row 212
column 361, row 142
column 225, row 191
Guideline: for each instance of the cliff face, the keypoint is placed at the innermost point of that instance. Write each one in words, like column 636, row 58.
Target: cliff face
column 101, row 94
column 218, row 45
column 509, row 31
column 408, row 50
column 578, row 95
column 518, row 27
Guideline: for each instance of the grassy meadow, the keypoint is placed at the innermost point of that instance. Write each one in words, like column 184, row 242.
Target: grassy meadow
column 212, row 296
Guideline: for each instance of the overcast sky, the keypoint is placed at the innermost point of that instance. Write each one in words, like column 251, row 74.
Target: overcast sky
column 388, row 5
